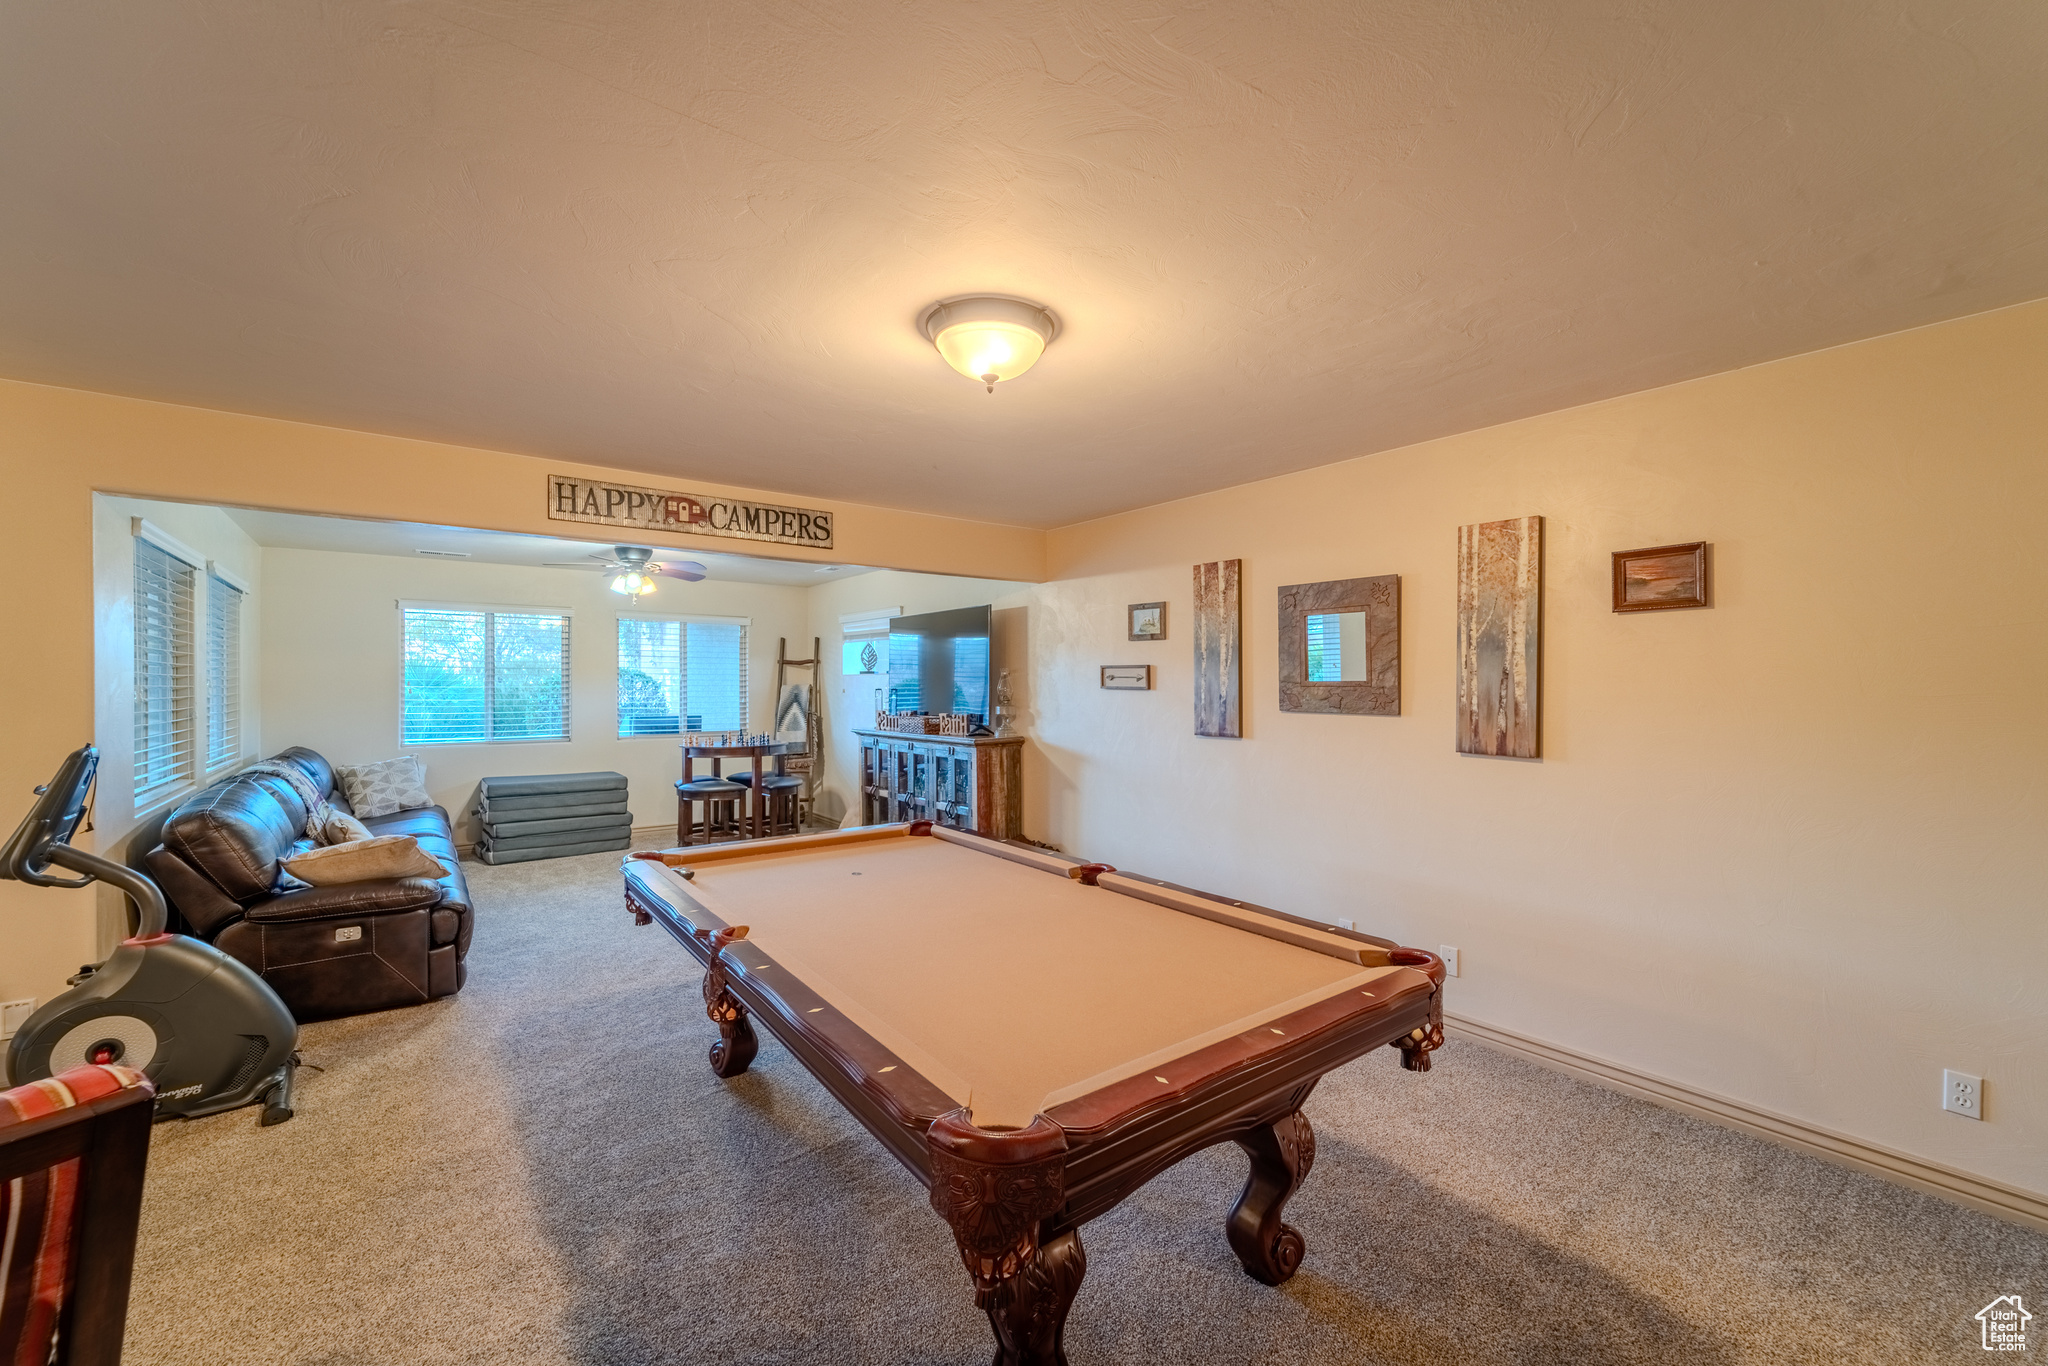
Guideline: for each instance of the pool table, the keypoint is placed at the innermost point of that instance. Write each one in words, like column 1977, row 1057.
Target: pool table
column 1035, row 1037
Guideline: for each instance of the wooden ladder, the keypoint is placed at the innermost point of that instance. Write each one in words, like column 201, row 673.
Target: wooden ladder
column 807, row 764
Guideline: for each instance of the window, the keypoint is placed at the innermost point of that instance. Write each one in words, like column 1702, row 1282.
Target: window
column 1325, row 649
column 473, row 675
column 904, row 693
column 163, row 669
column 677, row 676
column 223, row 672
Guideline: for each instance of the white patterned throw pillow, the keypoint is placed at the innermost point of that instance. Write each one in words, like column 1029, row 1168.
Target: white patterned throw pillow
column 381, row 788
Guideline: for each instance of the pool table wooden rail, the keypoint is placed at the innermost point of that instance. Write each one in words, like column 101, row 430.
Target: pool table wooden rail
column 1016, row 1199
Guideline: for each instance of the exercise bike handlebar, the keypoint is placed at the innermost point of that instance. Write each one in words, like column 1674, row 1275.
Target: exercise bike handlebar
column 44, row 838
column 152, row 915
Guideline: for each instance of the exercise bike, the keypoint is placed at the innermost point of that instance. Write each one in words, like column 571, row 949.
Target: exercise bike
column 209, row 1032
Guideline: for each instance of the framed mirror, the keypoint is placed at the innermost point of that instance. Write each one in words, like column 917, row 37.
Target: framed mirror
column 1340, row 646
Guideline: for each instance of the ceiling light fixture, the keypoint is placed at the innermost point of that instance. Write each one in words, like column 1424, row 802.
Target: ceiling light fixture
column 989, row 337
column 632, row 569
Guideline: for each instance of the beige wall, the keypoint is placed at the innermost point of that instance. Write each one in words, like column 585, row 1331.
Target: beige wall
column 1787, row 849
column 60, row 446
column 333, row 682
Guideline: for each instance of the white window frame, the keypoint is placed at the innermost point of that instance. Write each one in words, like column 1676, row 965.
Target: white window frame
column 568, row 614
column 873, row 622
column 175, row 783
column 685, row 618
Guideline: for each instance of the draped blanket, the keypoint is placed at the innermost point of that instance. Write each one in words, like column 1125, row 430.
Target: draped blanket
column 793, row 713
column 318, row 810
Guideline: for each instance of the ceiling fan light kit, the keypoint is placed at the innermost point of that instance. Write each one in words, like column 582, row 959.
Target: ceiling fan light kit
column 989, row 337
column 633, row 569
column 635, row 576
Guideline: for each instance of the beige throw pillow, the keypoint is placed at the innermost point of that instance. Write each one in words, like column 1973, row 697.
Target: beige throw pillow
column 340, row 828
column 365, row 861
column 381, row 788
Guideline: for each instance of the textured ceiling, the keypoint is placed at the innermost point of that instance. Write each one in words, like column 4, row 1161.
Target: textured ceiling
column 694, row 239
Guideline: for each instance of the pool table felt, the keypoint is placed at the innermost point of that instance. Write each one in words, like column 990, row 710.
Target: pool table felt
column 1009, row 988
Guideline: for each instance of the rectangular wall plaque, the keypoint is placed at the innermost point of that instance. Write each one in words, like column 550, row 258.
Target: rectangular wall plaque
column 1131, row 677
column 1500, row 595
column 1218, row 668
column 623, row 505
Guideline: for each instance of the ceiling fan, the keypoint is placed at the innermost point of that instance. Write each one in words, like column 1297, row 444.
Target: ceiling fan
column 633, row 568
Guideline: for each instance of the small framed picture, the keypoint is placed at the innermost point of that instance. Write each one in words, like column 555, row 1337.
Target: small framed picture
column 1148, row 621
column 1132, row 677
column 1661, row 577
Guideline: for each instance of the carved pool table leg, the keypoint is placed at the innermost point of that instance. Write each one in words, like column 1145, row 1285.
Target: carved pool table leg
column 1029, row 1310
column 734, row 1052
column 1281, row 1155
column 736, row 1046
column 996, row 1189
column 1418, row 1044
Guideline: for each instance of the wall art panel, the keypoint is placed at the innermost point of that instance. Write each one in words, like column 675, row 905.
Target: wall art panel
column 1500, row 596
column 1218, row 663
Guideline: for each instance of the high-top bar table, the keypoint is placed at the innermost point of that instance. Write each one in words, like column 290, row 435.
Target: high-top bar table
column 757, row 806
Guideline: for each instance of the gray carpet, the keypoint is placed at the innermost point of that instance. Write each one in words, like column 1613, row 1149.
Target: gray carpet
column 543, row 1170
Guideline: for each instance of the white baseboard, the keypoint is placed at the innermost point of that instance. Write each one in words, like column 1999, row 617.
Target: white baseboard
column 2006, row 1202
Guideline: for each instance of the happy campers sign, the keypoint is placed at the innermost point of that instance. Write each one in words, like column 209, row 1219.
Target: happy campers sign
column 587, row 500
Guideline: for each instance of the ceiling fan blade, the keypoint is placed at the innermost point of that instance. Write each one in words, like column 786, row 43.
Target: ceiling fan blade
column 689, row 571
column 571, row 564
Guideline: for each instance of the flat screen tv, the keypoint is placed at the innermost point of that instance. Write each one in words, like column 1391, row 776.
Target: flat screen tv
column 940, row 662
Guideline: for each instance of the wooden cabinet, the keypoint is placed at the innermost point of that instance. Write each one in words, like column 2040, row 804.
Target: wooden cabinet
column 968, row 782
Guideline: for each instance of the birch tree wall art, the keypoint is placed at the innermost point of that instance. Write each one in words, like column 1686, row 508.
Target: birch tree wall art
column 1500, row 595
column 1218, row 690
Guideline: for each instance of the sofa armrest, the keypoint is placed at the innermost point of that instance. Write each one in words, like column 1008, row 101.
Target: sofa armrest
column 205, row 907
column 383, row 896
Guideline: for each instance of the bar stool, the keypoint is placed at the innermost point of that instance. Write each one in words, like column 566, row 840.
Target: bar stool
column 781, row 791
column 722, row 808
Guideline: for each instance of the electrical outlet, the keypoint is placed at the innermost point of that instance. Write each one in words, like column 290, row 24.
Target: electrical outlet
column 1347, row 924
column 1962, row 1094
column 13, row 1015
column 1450, row 957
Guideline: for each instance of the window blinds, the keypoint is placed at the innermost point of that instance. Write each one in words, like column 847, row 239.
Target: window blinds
column 223, row 672
column 163, row 668
column 904, row 693
column 1325, row 649
column 677, row 676
column 477, row 675
column 650, row 677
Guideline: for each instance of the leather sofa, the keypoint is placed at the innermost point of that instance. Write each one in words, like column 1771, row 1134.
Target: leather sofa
column 326, row 951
